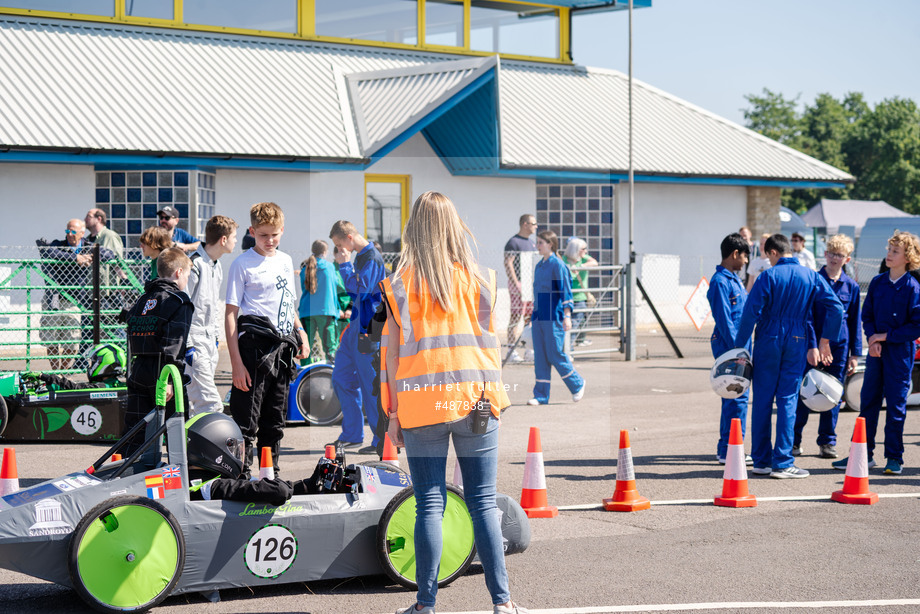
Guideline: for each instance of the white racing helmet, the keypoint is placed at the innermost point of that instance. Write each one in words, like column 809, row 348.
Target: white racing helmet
column 820, row 391
column 731, row 375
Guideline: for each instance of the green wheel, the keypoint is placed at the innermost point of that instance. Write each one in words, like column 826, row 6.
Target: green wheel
column 126, row 555
column 396, row 538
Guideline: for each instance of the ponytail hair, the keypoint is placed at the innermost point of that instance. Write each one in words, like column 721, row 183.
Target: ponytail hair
column 319, row 249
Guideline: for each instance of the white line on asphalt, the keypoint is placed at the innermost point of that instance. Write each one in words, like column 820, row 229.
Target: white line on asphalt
column 596, row 506
column 672, row 607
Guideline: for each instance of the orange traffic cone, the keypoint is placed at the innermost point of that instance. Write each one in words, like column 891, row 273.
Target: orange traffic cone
column 625, row 496
column 390, row 453
column 856, row 480
column 458, row 476
column 9, row 476
column 533, row 492
column 115, row 457
column 734, row 480
column 266, row 468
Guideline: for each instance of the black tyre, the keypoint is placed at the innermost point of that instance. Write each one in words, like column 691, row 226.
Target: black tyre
column 4, row 415
column 126, row 555
column 316, row 399
column 396, row 538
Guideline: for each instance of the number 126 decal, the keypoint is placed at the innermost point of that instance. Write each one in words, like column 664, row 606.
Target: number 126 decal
column 270, row 551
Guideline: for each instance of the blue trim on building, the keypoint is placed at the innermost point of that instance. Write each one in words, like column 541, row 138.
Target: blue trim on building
column 425, row 121
column 105, row 161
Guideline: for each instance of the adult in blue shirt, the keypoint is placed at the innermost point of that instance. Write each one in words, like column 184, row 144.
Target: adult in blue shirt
column 353, row 375
column 726, row 299
column 780, row 306
column 169, row 219
column 846, row 350
column 552, row 316
column 319, row 305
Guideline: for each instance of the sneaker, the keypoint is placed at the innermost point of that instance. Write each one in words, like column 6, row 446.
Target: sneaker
column 761, row 470
column 514, row 609
column 747, row 460
column 893, row 467
column 578, row 396
column 515, row 358
column 584, row 343
column 533, row 402
column 789, row 472
column 842, row 464
column 721, row 459
column 528, row 356
column 797, row 450
column 827, row 450
column 425, row 609
column 347, row 445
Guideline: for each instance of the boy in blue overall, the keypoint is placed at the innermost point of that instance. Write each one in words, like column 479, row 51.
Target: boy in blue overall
column 726, row 299
column 780, row 306
column 845, row 350
column 353, row 373
column 891, row 320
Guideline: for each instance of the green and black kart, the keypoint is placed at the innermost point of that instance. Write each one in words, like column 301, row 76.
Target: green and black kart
column 125, row 535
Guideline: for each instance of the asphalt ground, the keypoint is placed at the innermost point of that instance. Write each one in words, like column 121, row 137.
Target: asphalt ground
column 683, row 554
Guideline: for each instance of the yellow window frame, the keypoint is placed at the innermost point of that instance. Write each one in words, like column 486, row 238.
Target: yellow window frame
column 306, row 28
column 403, row 180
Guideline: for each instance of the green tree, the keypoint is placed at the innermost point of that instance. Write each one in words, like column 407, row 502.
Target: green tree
column 774, row 116
column 884, row 154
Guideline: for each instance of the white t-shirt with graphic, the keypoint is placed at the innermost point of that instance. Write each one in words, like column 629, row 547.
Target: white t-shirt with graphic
column 264, row 286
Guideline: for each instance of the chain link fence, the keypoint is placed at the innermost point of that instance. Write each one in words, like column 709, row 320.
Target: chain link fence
column 46, row 304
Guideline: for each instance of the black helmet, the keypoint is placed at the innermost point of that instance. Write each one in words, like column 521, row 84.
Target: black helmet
column 215, row 443
column 105, row 360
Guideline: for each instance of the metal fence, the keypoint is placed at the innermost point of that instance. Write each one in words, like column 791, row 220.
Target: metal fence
column 48, row 302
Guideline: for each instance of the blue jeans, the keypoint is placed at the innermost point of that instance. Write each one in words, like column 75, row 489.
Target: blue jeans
column 426, row 450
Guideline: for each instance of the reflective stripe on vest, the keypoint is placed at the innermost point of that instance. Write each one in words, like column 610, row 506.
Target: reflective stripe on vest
column 454, row 366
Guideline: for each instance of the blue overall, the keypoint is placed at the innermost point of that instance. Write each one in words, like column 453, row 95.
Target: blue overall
column 780, row 305
column 353, row 373
column 552, row 291
column 726, row 299
column 848, row 344
column 892, row 308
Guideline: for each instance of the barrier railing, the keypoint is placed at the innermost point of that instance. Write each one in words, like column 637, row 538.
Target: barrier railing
column 603, row 315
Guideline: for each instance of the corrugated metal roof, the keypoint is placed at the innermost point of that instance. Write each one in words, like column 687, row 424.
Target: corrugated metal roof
column 577, row 118
column 70, row 85
column 387, row 102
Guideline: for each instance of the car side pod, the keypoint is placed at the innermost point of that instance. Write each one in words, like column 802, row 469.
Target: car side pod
column 856, row 481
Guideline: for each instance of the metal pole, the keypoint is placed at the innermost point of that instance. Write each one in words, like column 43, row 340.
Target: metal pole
column 631, row 270
column 97, row 295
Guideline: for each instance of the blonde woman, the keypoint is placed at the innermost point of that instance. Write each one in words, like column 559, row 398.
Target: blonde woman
column 442, row 358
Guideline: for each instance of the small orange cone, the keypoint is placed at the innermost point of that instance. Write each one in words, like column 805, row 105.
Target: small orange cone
column 266, row 469
column 390, row 454
column 533, row 492
column 856, row 481
column 734, row 480
column 625, row 496
column 9, row 476
column 115, row 457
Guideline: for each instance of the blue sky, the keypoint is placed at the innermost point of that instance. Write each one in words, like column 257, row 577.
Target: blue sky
column 713, row 52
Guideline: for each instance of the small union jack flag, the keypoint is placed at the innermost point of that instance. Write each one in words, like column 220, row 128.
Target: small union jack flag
column 172, row 472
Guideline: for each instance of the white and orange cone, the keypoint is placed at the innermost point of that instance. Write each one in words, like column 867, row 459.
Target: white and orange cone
column 533, row 492
column 115, row 458
column 266, row 467
column 856, row 481
column 734, row 479
column 390, row 453
column 9, row 476
column 625, row 496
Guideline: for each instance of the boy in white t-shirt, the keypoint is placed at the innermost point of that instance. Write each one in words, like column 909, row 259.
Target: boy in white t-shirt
column 264, row 335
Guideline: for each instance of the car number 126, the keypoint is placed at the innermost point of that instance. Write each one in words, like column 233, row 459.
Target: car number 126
column 270, row 551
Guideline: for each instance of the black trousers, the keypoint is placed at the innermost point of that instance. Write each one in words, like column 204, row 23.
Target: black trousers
column 260, row 411
column 141, row 400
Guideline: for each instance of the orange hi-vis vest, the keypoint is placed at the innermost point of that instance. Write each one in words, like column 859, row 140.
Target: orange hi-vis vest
column 447, row 360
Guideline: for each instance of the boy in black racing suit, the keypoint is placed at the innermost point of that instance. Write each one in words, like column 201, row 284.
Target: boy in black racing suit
column 158, row 325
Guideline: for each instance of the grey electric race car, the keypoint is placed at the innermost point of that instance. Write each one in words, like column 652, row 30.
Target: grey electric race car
column 126, row 534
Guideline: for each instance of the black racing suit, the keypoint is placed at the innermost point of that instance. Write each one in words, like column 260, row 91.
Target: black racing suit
column 157, row 327
column 269, row 359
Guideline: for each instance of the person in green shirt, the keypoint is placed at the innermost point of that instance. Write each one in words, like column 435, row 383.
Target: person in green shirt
column 576, row 255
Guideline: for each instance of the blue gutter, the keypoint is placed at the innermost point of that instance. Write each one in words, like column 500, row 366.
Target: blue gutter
column 124, row 161
column 420, row 124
